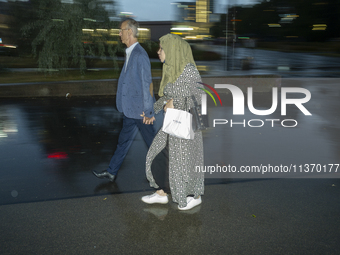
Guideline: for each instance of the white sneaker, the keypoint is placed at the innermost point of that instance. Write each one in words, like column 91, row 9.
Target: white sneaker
column 155, row 198
column 191, row 203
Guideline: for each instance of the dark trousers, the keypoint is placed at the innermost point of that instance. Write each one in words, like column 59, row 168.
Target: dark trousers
column 126, row 137
column 160, row 169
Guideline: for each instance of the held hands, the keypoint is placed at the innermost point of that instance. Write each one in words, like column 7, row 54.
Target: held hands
column 147, row 120
column 169, row 104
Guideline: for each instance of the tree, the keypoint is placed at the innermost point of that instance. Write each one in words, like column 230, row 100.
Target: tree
column 281, row 19
column 71, row 34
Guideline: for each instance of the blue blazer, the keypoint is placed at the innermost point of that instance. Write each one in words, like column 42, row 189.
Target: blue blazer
column 133, row 93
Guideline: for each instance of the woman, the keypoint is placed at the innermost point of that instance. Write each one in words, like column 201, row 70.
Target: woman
column 179, row 81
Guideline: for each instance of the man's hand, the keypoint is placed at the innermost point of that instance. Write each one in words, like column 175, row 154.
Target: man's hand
column 147, row 120
column 169, row 104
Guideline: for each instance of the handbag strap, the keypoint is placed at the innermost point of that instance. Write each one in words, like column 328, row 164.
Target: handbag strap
column 186, row 104
column 193, row 98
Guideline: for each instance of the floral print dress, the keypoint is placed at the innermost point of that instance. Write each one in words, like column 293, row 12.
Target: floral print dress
column 185, row 156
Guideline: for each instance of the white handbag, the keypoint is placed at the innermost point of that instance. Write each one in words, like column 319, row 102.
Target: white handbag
column 178, row 123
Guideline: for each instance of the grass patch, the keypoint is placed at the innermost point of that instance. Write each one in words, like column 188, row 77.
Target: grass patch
column 99, row 70
column 26, row 77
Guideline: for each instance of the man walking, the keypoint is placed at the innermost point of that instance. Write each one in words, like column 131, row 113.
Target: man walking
column 134, row 98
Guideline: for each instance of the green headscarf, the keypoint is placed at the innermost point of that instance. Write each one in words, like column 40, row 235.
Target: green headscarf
column 177, row 55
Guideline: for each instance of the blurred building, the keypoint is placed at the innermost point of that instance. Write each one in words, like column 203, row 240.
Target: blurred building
column 193, row 20
column 4, row 23
column 198, row 11
column 185, row 11
column 7, row 35
column 153, row 30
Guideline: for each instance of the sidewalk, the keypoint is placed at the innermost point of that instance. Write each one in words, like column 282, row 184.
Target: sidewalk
column 236, row 217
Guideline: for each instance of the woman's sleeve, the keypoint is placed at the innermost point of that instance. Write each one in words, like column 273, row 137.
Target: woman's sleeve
column 159, row 104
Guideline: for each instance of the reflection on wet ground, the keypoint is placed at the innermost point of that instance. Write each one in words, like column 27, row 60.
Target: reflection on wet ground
column 55, row 142
column 49, row 146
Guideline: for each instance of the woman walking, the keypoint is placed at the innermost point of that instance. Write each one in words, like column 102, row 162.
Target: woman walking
column 180, row 80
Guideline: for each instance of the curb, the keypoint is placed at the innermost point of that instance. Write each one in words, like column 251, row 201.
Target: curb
column 260, row 83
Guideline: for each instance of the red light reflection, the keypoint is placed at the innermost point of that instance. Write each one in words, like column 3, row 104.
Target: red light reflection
column 58, row 155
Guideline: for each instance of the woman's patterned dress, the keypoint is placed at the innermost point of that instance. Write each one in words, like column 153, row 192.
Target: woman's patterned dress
column 184, row 155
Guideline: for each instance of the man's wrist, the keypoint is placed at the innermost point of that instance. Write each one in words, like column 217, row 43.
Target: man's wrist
column 150, row 116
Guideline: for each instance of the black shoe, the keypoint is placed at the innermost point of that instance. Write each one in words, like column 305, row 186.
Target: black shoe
column 105, row 174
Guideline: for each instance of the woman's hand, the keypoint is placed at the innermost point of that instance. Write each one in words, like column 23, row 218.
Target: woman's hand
column 169, row 104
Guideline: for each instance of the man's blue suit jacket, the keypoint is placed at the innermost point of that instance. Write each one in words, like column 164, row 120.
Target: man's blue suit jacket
column 133, row 93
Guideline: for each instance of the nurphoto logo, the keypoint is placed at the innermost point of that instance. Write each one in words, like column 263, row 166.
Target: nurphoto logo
column 239, row 101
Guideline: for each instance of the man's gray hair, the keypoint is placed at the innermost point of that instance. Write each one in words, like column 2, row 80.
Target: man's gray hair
column 133, row 25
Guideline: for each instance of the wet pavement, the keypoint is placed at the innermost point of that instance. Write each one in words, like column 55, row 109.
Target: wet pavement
column 51, row 203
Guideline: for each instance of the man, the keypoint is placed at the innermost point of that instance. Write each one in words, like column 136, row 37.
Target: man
column 134, row 98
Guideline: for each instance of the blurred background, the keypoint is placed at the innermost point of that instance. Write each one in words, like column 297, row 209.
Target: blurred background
column 49, row 40
column 50, row 145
